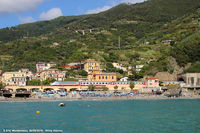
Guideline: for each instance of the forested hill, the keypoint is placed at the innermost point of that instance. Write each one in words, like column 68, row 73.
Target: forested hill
column 141, row 28
column 153, row 11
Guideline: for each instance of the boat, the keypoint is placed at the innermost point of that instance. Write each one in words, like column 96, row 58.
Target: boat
column 61, row 104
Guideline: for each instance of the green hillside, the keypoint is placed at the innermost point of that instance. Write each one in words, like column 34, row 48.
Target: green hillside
column 141, row 29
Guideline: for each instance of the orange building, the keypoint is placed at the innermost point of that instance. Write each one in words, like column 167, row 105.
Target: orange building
column 91, row 65
column 101, row 76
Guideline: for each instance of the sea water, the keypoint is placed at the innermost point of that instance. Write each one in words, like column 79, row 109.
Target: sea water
column 128, row 116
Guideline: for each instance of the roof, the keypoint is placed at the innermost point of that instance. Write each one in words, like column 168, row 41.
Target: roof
column 151, row 78
column 65, row 83
column 91, row 60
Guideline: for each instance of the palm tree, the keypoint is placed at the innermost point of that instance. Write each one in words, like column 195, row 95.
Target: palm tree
column 123, row 88
column 132, row 85
column 115, row 87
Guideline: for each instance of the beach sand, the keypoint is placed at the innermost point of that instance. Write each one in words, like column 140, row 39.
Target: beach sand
column 137, row 97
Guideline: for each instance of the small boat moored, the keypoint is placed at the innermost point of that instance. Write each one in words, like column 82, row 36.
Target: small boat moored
column 61, row 104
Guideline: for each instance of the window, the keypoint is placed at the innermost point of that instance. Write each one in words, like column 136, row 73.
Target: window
column 112, row 77
column 99, row 77
column 102, row 77
column 106, row 77
column 150, row 83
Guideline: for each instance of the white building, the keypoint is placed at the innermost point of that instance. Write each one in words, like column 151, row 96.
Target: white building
column 119, row 66
column 125, row 79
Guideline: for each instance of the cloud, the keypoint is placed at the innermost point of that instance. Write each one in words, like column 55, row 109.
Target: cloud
column 97, row 10
column 26, row 20
column 132, row 1
column 17, row 6
column 113, row 3
column 51, row 14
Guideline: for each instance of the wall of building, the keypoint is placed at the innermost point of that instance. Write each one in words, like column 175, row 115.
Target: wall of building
column 91, row 65
column 14, row 78
column 101, row 76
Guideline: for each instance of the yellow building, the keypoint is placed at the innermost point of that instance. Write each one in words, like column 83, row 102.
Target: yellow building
column 91, row 65
column 14, row 78
column 101, row 76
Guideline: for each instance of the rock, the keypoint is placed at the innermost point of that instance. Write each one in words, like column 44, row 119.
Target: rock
column 173, row 91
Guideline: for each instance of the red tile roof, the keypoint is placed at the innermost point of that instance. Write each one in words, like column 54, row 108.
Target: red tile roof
column 151, row 78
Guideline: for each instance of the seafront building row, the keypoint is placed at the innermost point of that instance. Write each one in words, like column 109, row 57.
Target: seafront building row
column 95, row 77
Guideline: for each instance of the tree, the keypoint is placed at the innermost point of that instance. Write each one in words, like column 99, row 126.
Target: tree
column 132, row 85
column 48, row 81
column 115, row 87
column 71, row 79
column 91, row 87
column 33, row 82
column 123, row 88
column 82, row 73
column 105, row 88
column 135, row 75
column 1, row 85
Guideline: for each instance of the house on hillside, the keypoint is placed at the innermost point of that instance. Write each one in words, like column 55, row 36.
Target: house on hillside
column 167, row 42
column 91, row 65
column 124, row 79
column 40, row 66
column 138, row 68
column 51, row 64
column 119, row 66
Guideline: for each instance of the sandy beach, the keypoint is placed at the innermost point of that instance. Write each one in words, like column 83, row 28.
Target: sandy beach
column 137, row 97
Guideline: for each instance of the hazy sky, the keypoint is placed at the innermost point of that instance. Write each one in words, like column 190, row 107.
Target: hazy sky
column 14, row 12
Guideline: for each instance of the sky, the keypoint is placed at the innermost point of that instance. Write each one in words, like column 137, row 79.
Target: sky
column 15, row 12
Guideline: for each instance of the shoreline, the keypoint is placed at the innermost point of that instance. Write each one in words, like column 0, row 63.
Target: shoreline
column 95, row 99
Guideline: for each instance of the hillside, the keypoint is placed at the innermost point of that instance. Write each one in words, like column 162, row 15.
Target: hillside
column 152, row 11
column 141, row 28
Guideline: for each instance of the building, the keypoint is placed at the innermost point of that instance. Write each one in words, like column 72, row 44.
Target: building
column 91, row 65
column 0, row 72
column 14, row 78
column 101, row 76
column 83, row 85
column 124, row 79
column 56, row 44
column 192, row 79
column 29, row 73
column 51, row 64
column 119, row 66
column 138, row 68
column 152, row 82
column 167, row 41
column 52, row 73
column 40, row 66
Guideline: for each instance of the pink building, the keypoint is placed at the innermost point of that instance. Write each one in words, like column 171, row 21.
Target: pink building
column 152, row 82
column 40, row 66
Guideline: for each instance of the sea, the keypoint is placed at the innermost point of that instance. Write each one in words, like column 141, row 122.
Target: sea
column 120, row 116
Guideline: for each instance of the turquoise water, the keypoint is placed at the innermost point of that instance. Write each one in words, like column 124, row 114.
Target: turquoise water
column 134, row 116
